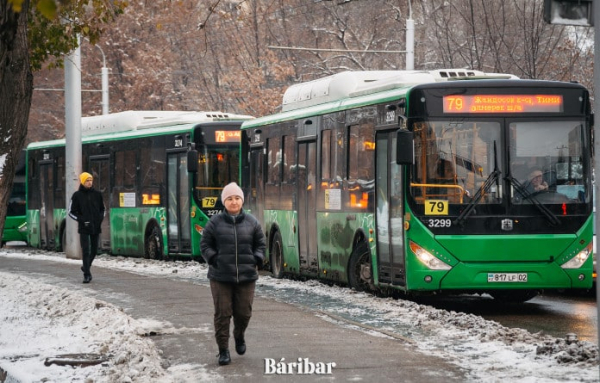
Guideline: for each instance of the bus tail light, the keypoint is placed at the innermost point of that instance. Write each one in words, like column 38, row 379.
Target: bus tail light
column 578, row 260
column 427, row 258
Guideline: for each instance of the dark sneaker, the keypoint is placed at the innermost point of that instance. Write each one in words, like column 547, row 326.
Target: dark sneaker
column 86, row 279
column 224, row 357
column 240, row 346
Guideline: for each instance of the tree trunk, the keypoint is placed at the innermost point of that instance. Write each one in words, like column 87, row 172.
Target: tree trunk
column 16, row 88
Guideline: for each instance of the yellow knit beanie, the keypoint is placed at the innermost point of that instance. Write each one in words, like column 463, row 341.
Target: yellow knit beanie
column 84, row 177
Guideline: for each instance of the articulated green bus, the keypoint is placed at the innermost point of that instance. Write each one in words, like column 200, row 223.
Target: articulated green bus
column 139, row 160
column 418, row 182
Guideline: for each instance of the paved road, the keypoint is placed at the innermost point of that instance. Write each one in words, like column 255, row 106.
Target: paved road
column 277, row 330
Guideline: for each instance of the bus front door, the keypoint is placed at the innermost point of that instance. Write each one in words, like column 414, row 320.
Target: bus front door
column 46, row 190
column 306, row 202
column 178, row 204
column 390, row 214
column 99, row 167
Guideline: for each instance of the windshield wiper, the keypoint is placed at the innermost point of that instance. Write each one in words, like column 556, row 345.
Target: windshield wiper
column 494, row 176
column 527, row 195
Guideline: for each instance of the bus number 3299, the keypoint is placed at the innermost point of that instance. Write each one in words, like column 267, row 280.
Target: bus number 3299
column 437, row 222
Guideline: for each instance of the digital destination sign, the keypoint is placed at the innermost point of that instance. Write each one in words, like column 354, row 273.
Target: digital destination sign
column 228, row 135
column 504, row 103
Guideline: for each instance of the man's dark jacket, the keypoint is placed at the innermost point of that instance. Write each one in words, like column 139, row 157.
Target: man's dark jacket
column 233, row 247
column 87, row 208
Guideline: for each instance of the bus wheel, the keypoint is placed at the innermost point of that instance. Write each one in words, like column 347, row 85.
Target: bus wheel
column 153, row 244
column 359, row 268
column 514, row 296
column 276, row 256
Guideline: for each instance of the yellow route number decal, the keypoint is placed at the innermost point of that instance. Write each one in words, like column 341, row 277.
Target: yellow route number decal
column 436, row 207
column 208, row 202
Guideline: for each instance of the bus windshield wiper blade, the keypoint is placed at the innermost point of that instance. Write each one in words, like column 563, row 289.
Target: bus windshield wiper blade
column 527, row 195
column 477, row 197
column 494, row 176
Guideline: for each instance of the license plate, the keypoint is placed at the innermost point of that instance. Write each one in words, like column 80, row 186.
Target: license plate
column 507, row 277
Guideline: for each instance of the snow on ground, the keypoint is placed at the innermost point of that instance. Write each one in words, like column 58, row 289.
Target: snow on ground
column 62, row 320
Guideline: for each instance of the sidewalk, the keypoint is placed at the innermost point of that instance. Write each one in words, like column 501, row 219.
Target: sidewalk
column 309, row 340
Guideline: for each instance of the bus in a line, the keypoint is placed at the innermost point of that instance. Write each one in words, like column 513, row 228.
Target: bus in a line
column 139, row 161
column 15, row 224
column 418, row 182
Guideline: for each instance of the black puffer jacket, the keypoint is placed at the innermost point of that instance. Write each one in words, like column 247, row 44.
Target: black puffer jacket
column 233, row 247
column 87, row 206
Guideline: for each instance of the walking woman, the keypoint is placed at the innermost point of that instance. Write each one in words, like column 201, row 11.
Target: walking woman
column 233, row 245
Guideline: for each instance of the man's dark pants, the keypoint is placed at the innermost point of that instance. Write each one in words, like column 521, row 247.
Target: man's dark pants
column 89, row 247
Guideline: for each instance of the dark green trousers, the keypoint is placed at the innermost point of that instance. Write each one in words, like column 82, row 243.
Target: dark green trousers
column 231, row 299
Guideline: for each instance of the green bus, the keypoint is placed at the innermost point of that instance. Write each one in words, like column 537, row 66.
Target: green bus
column 139, row 160
column 416, row 182
column 15, row 224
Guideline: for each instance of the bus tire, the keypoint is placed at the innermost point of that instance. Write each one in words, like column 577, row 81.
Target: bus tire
column 513, row 296
column 361, row 255
column 276, row 256
column 153, row 244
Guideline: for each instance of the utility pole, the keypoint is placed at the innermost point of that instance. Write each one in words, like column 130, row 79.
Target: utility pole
column 596, row 16
column 72, row 247
column 105, row 109
column 583, row 13
column 410, row 41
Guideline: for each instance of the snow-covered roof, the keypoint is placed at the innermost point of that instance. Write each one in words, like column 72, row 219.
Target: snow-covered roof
column 358, row 83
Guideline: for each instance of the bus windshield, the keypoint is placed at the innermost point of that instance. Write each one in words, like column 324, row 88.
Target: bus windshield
column 217, row 166
column 538, row 161
column 548, row 156
column 453, row 158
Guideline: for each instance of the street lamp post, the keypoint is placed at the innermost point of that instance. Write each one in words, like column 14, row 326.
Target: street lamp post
column 104, row 83
column 410, row 40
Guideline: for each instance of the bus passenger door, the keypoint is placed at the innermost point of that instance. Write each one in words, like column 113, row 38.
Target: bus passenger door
column 178, row 204
column 306, row 202
column 389, row 213
column 46, row 190
column 255, row 182
column 99, row 167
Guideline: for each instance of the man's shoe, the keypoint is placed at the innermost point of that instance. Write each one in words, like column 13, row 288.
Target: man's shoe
column 240, row 346
column 224, row 357
column 86, row 279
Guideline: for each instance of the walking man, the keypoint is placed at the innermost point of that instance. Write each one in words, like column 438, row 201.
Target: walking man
column 87, row 208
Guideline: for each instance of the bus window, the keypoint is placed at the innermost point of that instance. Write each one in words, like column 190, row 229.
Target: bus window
column 361, row 167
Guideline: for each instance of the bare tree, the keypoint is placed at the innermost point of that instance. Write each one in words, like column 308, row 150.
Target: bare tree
column 217, row 55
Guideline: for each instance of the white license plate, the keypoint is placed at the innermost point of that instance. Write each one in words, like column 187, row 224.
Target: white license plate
column 507, row 277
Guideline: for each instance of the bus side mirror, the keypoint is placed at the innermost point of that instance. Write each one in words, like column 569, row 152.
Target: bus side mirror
column 192, row 161
column 405, row 148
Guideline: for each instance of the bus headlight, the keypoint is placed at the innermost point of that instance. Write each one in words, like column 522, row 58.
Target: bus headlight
column 579, row 259
column 427, row 258
column 23, row 227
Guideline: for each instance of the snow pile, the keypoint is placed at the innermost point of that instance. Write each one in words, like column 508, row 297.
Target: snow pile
column 41, row 323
